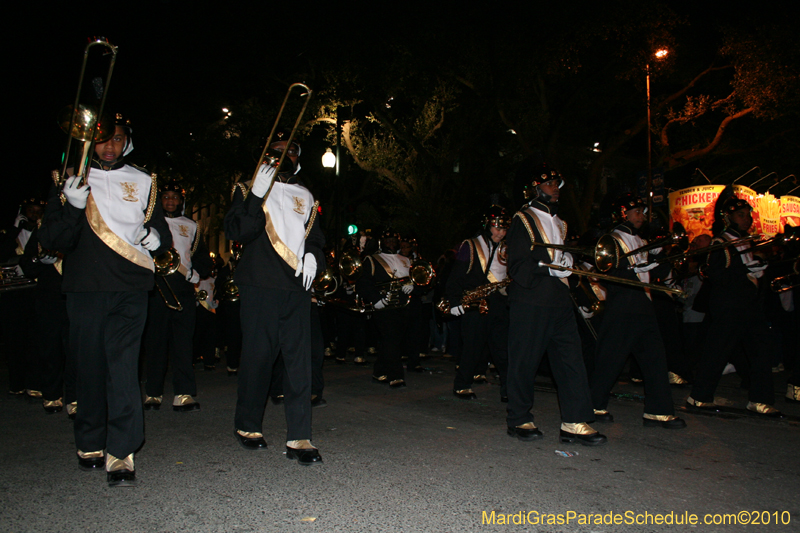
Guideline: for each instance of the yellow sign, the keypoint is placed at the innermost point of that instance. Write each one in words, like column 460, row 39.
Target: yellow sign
column 694, row 208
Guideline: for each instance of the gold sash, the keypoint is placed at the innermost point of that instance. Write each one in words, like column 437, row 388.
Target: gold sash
column 286, row 254
column 112, row 240
column 384, row 264
column 482, row 258
column 550, row 251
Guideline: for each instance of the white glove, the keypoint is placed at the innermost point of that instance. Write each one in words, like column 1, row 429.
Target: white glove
column 379, row 305
column 645, row 268
column 192, row 276
column 586, row 312
column 263, row 180
column 75, row 196
column 566, row 260
column 149, row 239
column 408, row 288
column 48, row 259
column 755, row 266
column 308, row 267
column 349, row 290
column 457, row 311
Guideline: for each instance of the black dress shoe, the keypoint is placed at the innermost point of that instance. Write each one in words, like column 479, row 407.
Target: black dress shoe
column 525, row 434
column 186, row 408
column 89, row 464
column 318, row 401
column 121, row 478
column 251, row 443
column 665, row 421
column 592, row 439
column 305, row 457
column 397, row 383
column 603, row 416
column 465, row 394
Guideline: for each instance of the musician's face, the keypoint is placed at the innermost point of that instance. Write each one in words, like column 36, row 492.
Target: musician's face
column 636, row 217
column 498, row 234
column 292, row 154
column 171, row 201
column 111, row 150
column 33, row 212
column 406, row 249
column 741, row 219
column 551, row 189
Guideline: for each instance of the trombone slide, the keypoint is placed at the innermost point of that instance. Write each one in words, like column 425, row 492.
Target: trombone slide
column 615, row 279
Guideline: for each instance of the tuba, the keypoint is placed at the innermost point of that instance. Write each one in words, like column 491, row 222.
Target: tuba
column 350, row 265
column 230, row 292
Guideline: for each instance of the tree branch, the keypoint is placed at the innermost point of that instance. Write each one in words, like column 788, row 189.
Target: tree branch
column 687, row 155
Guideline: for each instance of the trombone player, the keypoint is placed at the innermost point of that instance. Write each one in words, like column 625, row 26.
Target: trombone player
column 108, row 232
column 630, row 325
column 275, row 221
column 541, row 317
column 170, row 331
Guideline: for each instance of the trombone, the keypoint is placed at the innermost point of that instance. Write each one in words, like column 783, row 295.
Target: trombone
column 608, row 254
column 167, row 264
column 87, row 123
column 615, row 279
column 273, row 158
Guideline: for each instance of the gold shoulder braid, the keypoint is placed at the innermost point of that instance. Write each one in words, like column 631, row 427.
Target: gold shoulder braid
column 153, row 196
column 563, row 230
column 196, row 240
column 471, row 253
column 718, row 240
column 311, row 219
column 242, row 187
column 528, row 227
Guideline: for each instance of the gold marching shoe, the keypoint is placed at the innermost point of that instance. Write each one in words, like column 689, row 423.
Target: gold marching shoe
column 704, row 406
column 53, row 406
column 120, row 472
column 582, row 433
column 72, row 410
column 184, row 403
column 33, row 393
column 675, row 379
column 152, row 403
column 381, row 379
column 303, row 451
column 792, row 393
column 465, row 394
column 602, row 415
column 664, row 421
column 764, row 409
column 358, row 360
column 89, row 461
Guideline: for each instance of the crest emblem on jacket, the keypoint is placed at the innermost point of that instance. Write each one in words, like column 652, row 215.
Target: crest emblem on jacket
column 130, row 191
column 299, row 205
column 184, row 230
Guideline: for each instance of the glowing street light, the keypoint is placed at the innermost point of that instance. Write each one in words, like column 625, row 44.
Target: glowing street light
column 659, row 54
column 328, row 159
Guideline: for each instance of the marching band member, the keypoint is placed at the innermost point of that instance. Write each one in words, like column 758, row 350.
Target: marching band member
column 541, row 319
column 282, row 256
column 170, row 332
column 107, row 231
column 478, row 263
column 630, row 326
column 392, row 317
column 735, row 314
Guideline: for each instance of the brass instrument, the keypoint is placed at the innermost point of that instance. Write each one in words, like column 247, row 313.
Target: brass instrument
column 420, row 274
column 10, row 280
column 350, row 265
column 273, row 158
column 326, row 283
column 201, row 295
column 475, row 298
column 167, row 264
column 615, row 279
column 87, row 123
column 230, row 292
column 608, row 254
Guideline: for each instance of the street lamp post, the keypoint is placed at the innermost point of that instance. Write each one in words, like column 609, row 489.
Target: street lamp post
column 660, row 54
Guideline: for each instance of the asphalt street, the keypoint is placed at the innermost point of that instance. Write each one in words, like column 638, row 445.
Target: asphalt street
column 414, row 459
